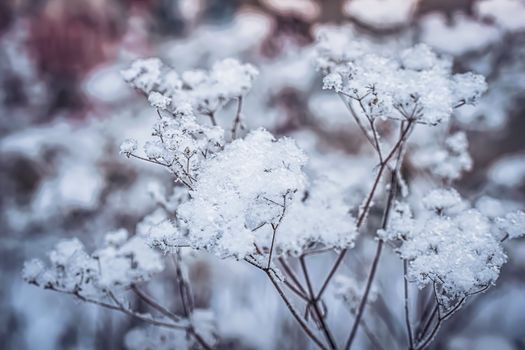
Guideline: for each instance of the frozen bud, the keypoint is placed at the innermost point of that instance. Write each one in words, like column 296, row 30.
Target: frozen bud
column 158, row 100
column 153, row 150
column 333, row 81
column 419, row 57
column 468, row 87
column 512, row 224
column 443, row 200
column 128, row 147
column 33, row 269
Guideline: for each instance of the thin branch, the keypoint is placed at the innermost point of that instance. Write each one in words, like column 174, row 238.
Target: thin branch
column 294, row 312
column 428, row 322
column 151, row 302
column 185, row 294
column 237, row 120
column 407, row 310
column 288, row 270
column 366, row 206
column 187, row 300
column 386, row 214
column 122, row 308
column 211, row 115
column 356, row 118
column 364, row 298
column 274, row 229
column 164, row 165
column 274, row 232
column 322, row 325
column 373, row 339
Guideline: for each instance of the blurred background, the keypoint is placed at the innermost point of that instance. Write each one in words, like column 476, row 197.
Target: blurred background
column 64, row 110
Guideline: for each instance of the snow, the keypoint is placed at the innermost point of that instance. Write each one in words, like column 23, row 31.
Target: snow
column 508, row 14
column 415, row 83
column 463, row 35
column 117, row 265
column 128, row 146
column 446, row 161
column 159, row 101
column 450, row 244
column 240, row 189
column 381, row 13
column 508, row 171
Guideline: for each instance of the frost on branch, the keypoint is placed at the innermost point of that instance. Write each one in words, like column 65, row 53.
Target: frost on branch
column 415, row 84
column 450, row 245
column 512, row 225
column 120, row 263
column 243, row 187
column 253, row 185
column 206, row 91
column 180, row 143
column 145, row 75
column 320, row 219
column 127, row 147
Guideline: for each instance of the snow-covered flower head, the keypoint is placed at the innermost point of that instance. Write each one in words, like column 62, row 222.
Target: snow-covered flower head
column 118, row 264
column 414, row 84
column 243, row 187
column 451, row 245
column 206, row 91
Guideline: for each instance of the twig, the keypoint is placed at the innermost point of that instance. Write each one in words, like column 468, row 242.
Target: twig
column 386, row 214
column 407, row 311
column 237, row 120
column 322, row 325
column 294, row 312
column 150, row 301
column 288, row 304
column 274, row 229
column 211, row 115
column 366, row 206
column 356, row 118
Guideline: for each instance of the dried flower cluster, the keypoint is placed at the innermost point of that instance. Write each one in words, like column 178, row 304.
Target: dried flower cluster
column 251, row 198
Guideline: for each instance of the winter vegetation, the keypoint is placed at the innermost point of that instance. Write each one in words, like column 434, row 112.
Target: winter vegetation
column 323, row 194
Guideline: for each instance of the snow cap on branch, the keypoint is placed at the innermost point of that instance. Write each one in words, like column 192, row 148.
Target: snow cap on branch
column 450, row 244
column 414, row 84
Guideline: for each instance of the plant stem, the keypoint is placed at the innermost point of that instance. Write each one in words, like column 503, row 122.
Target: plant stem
column 407, row 311
column 324, row 328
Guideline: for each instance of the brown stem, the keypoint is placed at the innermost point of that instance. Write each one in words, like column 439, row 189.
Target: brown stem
column 428, row 323
column 324, row 328
column 294, row 312
column 367, row 205
column 364, row 299
column 237, row 120
column 407, row 310
column 386, row 214
column 151, row 302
